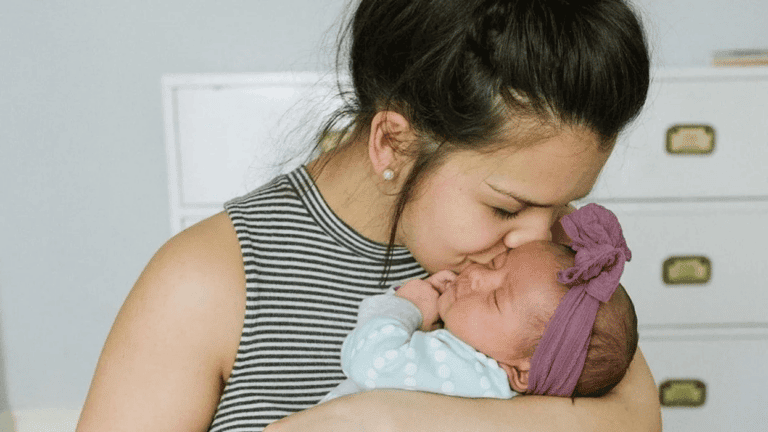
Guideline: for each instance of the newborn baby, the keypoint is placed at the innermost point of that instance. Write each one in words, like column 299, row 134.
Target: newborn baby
column 475, row 334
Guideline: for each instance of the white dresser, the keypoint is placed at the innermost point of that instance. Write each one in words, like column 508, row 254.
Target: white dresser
column 227, row 134
column 689, row 182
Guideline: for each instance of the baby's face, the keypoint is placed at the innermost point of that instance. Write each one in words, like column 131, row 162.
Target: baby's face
column 490, row 307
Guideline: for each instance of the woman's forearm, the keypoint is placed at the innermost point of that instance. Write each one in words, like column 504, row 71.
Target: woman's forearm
column 402, row 410
column 632, row 406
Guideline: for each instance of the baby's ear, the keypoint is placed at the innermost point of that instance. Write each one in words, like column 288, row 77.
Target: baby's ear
column 517, row 373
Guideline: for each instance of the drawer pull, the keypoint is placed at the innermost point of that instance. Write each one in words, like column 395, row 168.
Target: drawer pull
column 688, row 393
column 687, row 270
column 690, row 140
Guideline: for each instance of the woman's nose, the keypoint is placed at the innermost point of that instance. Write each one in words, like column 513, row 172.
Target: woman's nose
column 470, row 280
column 481, row 278
column 537, row 225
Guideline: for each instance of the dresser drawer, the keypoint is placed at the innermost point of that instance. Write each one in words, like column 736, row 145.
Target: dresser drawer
column 718, row 272
column 728, row 106
column 725, row 374
column 227, row 134
column 229, row 137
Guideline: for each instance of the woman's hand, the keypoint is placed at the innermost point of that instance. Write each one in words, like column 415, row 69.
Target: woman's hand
column 424, row 294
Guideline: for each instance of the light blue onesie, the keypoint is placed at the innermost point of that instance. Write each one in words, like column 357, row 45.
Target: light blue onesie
column 386, row 350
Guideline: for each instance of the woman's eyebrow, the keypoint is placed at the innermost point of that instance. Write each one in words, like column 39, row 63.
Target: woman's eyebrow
column 525, row 200
column 515, row 197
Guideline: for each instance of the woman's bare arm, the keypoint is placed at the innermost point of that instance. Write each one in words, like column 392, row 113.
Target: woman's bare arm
column 174, row 341
column 632, row 406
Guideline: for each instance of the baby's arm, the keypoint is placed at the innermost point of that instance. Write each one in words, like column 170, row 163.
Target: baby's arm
column 379, row 343
column 387, row 351
column 405, row 311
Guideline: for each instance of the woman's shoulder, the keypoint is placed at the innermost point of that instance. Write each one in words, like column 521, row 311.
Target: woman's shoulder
column 208, row 252
column 207, row 256
column 175, row 339
column 200, row 272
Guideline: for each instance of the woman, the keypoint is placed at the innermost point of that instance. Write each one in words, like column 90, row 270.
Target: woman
column 473, row 126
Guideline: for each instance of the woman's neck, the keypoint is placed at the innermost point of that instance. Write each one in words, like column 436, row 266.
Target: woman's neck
column 354, row 192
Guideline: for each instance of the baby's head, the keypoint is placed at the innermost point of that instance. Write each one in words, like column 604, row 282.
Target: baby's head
column 504, row 308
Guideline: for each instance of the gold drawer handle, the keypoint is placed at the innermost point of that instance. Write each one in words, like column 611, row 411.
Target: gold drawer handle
column 686, row 393
column 687, row 270
column 690, row 140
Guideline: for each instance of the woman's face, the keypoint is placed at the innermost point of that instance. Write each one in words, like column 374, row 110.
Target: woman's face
column 478, row 205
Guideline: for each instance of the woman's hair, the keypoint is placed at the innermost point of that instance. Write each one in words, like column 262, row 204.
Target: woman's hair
column 473, row 74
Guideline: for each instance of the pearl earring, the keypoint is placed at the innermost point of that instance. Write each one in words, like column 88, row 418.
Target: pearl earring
column 388, row 174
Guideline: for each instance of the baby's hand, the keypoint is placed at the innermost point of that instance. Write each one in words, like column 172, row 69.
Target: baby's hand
column 441, row 279
column 424, row 294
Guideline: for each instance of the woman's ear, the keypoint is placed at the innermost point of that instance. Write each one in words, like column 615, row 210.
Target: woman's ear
column 517, row 373
column 390, row 135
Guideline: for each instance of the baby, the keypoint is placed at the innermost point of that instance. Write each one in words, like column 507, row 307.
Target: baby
column 536, row 320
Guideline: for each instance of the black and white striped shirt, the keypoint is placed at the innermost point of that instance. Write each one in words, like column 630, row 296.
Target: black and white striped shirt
column 306, row 274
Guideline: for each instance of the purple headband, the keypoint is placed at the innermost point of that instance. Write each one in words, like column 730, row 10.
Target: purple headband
column 600, row 255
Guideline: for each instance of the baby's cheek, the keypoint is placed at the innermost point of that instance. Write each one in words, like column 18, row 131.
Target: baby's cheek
column 457, row 321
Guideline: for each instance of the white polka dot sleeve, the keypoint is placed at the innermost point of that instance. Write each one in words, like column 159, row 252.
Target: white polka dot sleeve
column 387, row 351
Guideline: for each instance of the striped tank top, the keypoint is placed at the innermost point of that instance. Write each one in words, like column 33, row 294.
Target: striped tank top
column 306, row 273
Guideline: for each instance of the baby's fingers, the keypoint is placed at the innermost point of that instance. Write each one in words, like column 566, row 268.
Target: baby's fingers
column 441, row 279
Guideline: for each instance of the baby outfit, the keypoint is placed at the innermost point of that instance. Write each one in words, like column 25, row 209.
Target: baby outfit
column 386, row 350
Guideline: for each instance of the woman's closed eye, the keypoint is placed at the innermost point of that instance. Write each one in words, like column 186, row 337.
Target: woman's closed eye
column 504, row 214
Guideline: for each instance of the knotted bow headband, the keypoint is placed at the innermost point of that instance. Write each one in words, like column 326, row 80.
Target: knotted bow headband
column 601, row 251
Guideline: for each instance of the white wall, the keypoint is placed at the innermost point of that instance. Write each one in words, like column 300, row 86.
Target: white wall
column 686, row 32
column 83, row 198
column 83, row 190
